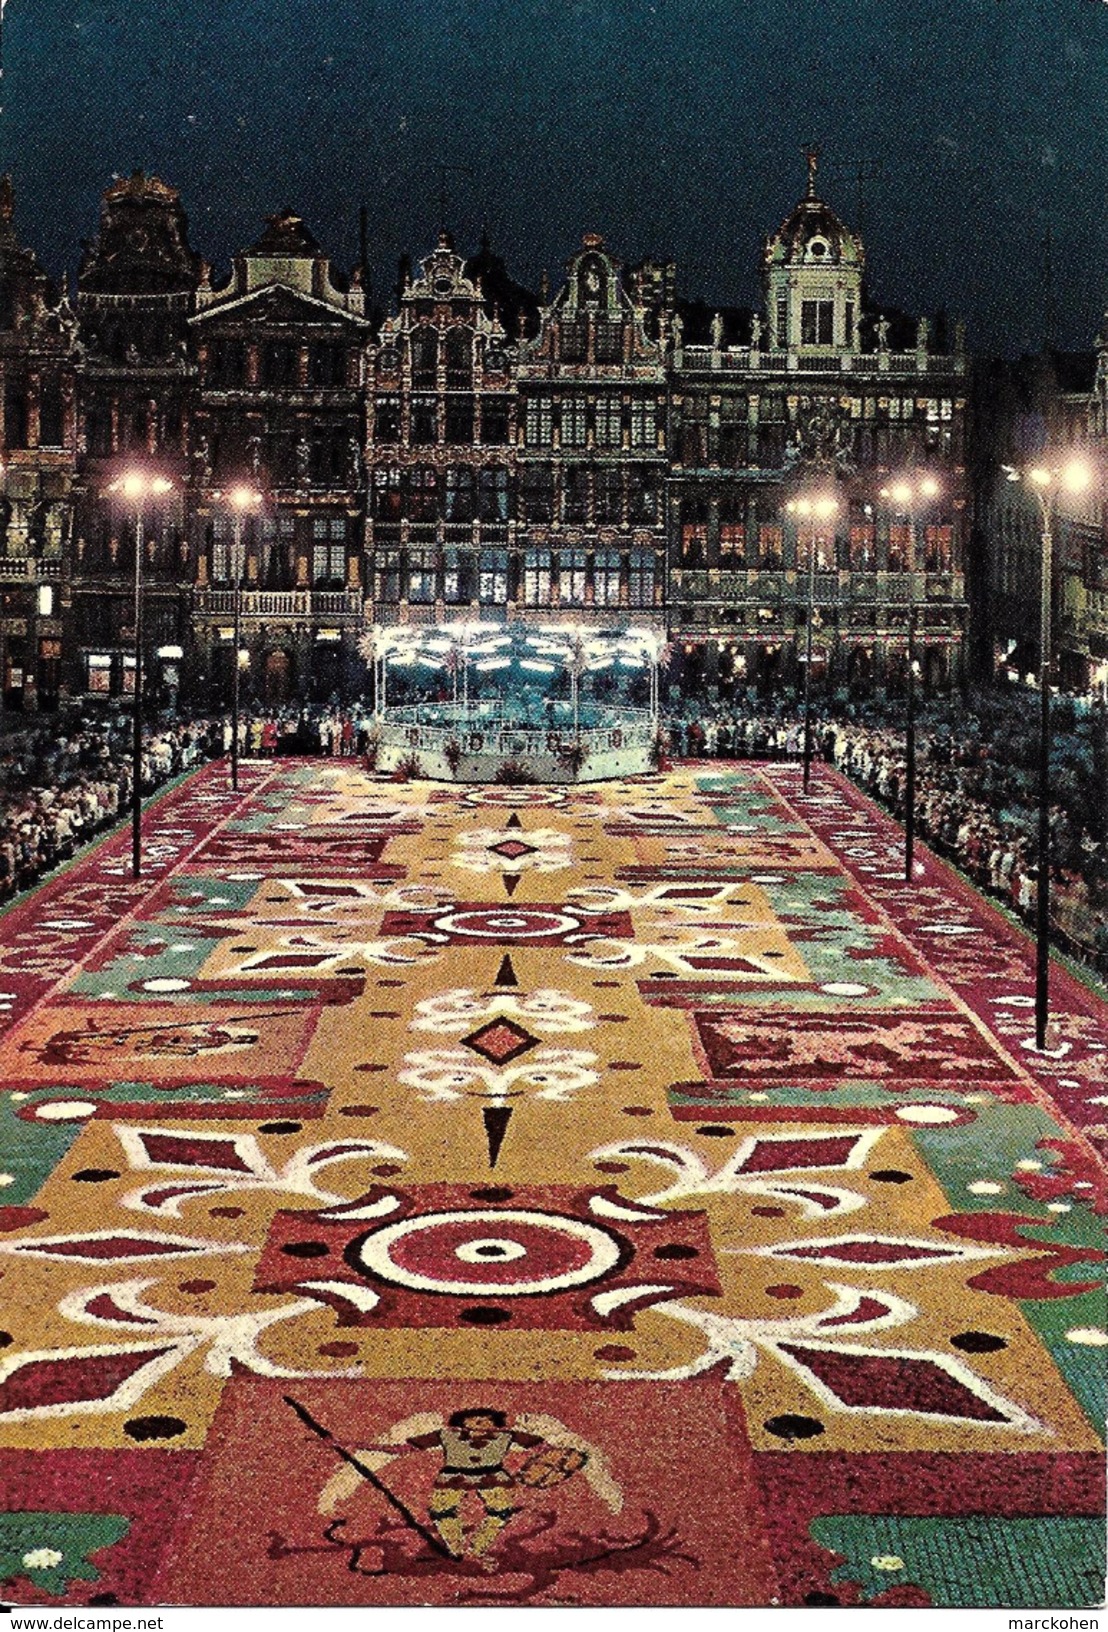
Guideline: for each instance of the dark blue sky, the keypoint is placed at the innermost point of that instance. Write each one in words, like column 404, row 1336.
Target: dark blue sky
column 672, row 126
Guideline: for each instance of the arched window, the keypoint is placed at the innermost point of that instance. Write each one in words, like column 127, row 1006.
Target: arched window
column 459, row 359
column 425, row 357
column 51, row 414
column 15, row 413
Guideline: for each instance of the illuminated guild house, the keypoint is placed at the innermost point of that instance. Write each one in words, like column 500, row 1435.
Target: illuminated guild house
column 480, row 453
column 279, row 406
column 38, row 434
column 135, row 291
column 821, row 397
column 591, row 455
column 517, row 478
column 442, row 419
column 1047, row 400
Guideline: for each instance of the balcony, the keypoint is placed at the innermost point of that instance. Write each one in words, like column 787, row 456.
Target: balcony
column 280, row 603
column 29, row 569
column 741, row 359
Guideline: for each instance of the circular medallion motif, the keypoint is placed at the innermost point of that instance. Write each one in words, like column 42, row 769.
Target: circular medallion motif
column 512, row 1253
column 505, row 923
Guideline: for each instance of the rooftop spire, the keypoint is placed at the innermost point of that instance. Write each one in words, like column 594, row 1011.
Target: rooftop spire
column 811, row 153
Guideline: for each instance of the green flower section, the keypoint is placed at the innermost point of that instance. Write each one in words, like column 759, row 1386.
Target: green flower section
column 51, row 1550
column 31, row 1150
column 970, row 1563
column 1071, row 1329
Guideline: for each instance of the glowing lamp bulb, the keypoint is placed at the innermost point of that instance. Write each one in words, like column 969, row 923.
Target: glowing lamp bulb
column 1075, row 476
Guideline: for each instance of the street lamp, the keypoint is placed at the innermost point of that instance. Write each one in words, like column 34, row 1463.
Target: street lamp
column 908, row 497
column 138, row 487
column 1046, row 481
column 820, row 507
column 242, row 500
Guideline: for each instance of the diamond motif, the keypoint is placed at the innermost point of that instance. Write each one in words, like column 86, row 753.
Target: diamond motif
column 500, row 1041
column 512, row 849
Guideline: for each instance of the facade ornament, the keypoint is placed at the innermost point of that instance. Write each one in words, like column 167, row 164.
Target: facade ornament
column 756, row 333
column 881, row 329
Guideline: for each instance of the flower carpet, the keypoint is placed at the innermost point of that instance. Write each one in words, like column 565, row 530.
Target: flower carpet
column 633, row 1194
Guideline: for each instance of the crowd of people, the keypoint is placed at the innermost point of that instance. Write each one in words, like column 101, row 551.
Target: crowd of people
column 332, row 732
column 976, row 789
column 60, row 786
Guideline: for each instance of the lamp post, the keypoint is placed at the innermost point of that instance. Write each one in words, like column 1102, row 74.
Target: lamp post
column 138, row 487
column 1045, row 481
column 820, row 507
column 242, row 500
column 907, row 497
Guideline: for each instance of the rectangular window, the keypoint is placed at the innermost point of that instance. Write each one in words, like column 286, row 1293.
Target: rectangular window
column 494, row 577
column 574, row 422
column 605, row 578
column 900, row 547
column 386, row 420
column 421, row 577
column 537, row 577
column 863, row 546
column 572, row 577
column 539, row 422
column 609, row 341
column 609, row 422
column 538, row 493
column 782, row 320
column 644, row 422
column 386, row 492
column 642, row 494
column 457, row 576
column 459, row 494
column 640, row 582
column 732, row 541
column 326, row 364
column 817, row 322
column 99, row 673
column 425, row 357
column 328, row 552
column 227, row 363
column 279, row 363
column 770, row 550
column 459, row 419
column 808, row 538
column 938, row 548
column 573, row 336
column 388, row 576
column 494, row 421
column 849, row 323
column 575, row 493
column 694, row 542
column 423, row 493
column 609, row 494
column 493, row 494
column 221, row 550
column 424, row 420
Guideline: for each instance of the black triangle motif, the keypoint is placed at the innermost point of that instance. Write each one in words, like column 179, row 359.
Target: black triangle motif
column 513, row 821
column 506, row 975
column 510, row 881
column 496, row 1119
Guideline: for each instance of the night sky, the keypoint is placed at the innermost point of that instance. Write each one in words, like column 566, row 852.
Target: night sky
column 674, row 127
